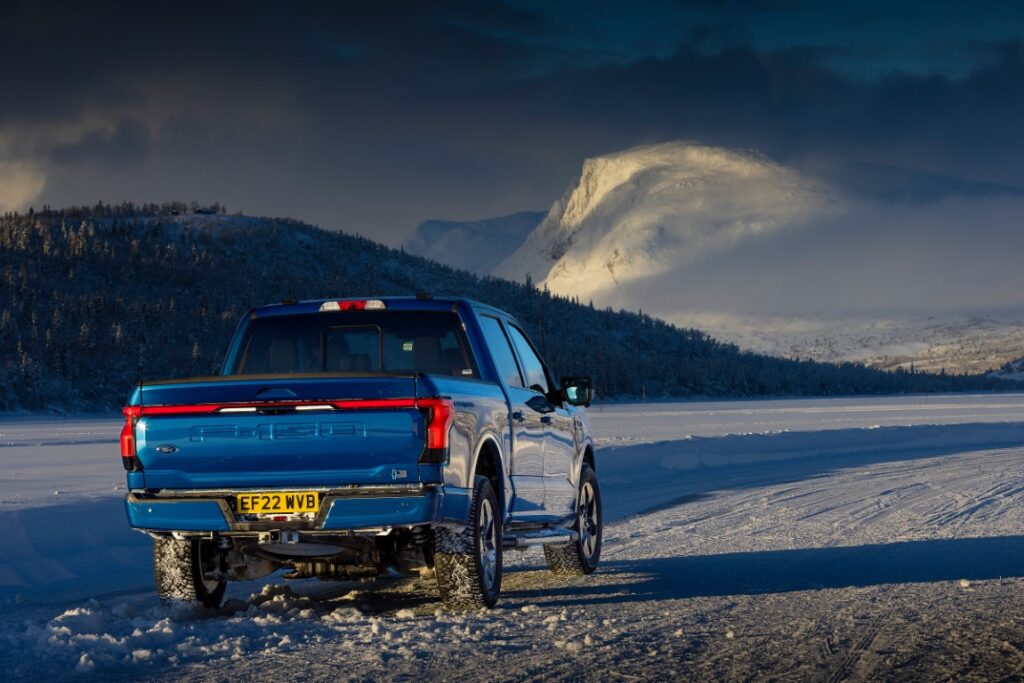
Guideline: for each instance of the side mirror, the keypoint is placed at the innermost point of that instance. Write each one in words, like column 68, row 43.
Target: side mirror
column 578, row 390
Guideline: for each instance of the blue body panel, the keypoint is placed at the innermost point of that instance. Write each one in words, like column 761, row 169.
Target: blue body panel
column 353, row 513
column 177, row 515
column 456, row 502
column 365, row 513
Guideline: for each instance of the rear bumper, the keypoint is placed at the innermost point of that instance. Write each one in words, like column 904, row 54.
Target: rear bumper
column 340, row 511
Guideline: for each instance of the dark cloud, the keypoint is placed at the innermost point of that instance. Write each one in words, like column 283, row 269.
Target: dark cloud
column 128, row 143
column 373, row 116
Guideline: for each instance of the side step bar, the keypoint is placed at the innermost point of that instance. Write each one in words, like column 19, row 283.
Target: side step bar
column 543, row 538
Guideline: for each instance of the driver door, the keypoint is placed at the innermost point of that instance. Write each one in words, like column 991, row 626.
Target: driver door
column 559, row 437
column 526, row 462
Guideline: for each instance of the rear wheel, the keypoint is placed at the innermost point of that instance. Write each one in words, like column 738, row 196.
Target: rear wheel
column 188, row 570
column 582, row 555
column 467, row 563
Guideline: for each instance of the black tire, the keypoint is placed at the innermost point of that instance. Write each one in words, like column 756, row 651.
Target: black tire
column 183, row 568
column 582, row 555
column 467, row 564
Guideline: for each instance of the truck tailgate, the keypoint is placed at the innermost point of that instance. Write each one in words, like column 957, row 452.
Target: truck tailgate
column 282, row 432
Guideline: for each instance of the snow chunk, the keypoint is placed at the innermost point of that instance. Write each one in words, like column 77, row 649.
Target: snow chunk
column 85, row 663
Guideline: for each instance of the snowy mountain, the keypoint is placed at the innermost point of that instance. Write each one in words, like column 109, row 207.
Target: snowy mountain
column 476, row 246
column 858, row 262
column 954, row 343
column 648, row 210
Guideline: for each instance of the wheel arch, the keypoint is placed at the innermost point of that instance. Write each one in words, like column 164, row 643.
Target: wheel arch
column 488, row 461
column 585, row 454
column 588, row 456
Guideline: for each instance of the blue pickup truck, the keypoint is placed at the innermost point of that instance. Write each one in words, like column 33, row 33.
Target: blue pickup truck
column 359, row 438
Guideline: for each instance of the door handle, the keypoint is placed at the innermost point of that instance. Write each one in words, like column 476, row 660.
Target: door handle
column 518, row 416
column 546, row 419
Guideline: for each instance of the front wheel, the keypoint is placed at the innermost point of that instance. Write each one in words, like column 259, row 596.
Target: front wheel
column 582, row 555
column 467, row 563
column 188, row 570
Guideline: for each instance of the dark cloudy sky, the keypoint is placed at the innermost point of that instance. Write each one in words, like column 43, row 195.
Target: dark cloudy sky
column 371, row 117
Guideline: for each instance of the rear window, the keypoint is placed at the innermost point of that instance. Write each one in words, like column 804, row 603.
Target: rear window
column 357, row 342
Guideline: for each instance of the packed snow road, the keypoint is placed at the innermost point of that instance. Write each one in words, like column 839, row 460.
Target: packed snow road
column 852, row 539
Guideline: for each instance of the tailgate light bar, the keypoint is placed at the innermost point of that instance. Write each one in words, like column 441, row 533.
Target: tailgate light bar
column 223, row 408
column 439, row 414
column 353, row 305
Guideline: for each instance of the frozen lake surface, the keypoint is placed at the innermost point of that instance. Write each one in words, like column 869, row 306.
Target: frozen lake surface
column 831, row 539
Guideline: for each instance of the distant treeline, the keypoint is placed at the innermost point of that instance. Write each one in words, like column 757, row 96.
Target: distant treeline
column 94, row 299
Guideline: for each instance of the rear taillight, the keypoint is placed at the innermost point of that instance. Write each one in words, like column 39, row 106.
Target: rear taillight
column 128, row 452
column 439, row 414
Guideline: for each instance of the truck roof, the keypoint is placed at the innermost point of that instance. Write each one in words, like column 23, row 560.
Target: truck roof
column 402, row 303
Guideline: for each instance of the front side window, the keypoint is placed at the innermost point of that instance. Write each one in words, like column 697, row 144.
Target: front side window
column 501, row 351
column 357, row 342
column 536, row 379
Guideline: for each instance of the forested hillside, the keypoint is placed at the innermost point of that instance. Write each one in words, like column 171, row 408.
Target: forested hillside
column 94, row 299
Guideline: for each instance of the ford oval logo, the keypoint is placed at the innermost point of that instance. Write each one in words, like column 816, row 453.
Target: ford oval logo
column 167, row 448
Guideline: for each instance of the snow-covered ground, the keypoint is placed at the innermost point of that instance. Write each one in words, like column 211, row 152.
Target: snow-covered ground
column 841, row 539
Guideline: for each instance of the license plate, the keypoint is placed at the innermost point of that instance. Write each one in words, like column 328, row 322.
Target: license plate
column 282, row 502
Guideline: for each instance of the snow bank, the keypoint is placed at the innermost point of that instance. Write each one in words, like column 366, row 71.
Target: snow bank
column 72, row 551
column 647, row 476
column 61, row 511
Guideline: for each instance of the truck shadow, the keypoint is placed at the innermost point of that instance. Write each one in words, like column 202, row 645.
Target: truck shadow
column 647, row 477
column 782, row 571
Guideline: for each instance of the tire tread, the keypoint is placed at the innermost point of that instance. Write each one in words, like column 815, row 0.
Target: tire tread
column 178, row 575
column 567, row 559
column 456, row 567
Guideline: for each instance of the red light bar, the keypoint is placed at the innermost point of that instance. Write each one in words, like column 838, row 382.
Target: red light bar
column 343, row 404
column 439, row 414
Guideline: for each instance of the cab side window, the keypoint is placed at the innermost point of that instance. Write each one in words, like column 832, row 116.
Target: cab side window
column 502, row 352
column 535, row 377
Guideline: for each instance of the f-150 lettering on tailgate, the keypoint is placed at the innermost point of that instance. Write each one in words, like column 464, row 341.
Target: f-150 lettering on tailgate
column 304, row 430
